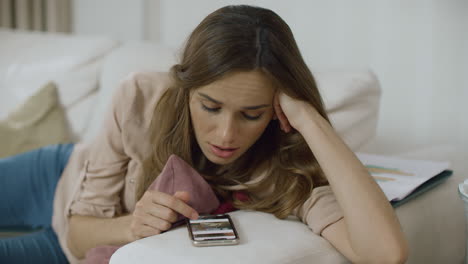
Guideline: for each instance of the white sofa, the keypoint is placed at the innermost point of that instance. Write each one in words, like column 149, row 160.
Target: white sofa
column 88, row 69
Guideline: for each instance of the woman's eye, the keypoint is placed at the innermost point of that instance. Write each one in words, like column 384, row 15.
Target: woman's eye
column 210, row 109
column 216, row 110
column 249, row 117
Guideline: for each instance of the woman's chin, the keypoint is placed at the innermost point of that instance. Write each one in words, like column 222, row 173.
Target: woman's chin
column 219, row 160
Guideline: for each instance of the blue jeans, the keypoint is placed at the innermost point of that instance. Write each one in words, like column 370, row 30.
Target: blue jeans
column 27, row 188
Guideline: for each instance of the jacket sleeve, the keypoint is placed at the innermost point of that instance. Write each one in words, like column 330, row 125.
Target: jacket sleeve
column 103, row 173
column 320, row 210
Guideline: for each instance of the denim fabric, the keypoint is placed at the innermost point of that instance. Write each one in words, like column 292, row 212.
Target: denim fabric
column 27, row 187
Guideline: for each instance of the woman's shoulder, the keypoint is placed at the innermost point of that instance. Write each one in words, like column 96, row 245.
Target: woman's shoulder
column 137, row 97
column 140, row 91
column 146, row 83
column 150, row 77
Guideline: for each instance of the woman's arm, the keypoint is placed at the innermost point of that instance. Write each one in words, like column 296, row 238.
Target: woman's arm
column 154, row 213
column 370, row 231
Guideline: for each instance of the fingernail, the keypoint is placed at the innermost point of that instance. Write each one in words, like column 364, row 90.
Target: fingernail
column 194, row 216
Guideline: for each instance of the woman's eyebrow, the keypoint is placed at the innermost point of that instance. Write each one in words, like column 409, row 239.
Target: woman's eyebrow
column 255, row 107
column 209, row 98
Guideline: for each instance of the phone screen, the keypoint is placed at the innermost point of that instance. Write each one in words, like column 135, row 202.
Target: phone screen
column 212, row 228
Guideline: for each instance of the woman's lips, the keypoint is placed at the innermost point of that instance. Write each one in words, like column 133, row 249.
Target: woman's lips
column 223, row 152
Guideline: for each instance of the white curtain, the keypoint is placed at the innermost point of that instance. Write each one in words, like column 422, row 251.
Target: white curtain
column 37, row 15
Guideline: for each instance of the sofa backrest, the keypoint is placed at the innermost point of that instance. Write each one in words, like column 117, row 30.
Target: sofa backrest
column 352, row 101
column 31, row 59
column 351, row 96
column 128, row 58
column 87, row 70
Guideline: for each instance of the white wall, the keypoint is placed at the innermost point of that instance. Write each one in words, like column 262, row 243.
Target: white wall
column 120, row 19
column 417, row 48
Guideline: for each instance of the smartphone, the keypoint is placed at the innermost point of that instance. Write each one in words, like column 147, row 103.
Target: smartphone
column 212, row 230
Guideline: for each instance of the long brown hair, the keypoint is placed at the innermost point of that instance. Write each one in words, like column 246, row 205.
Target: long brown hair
column 240, row 38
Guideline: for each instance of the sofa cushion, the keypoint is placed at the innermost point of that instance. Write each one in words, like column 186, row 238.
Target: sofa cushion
column 128, row 58
column 40, row 121
column 31, row 59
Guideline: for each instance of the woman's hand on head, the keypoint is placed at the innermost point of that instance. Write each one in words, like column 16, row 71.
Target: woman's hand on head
column 290, row 112
column 156, row 211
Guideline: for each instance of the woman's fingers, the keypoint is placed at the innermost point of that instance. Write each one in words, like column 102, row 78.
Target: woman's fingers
column 284, row 123
column 162, row 212
column 278, row 110
column 157, row 223
column 146, row 231
column 138, row 227
column 174, row 203
column 156, row 211
column 184, row 196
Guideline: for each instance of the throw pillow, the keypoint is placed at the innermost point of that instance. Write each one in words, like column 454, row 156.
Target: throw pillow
column 40, row 121
column 176, row 176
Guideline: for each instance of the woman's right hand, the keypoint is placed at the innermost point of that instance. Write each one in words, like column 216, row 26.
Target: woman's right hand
column 156, row 211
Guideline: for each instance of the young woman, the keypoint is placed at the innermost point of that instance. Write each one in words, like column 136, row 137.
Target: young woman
column 243, row 109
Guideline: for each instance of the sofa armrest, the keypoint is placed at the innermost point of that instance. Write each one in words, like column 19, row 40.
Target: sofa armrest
column 263, row 239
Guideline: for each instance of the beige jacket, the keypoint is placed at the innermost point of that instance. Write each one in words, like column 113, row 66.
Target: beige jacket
column 100, row 178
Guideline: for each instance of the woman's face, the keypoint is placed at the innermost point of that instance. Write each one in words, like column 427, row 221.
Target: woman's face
column 230, row 114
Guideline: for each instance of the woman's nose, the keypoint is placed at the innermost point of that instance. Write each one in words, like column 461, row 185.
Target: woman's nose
column 227, row 131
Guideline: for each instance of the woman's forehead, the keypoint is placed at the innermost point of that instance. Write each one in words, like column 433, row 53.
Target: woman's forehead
column 248, row 86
